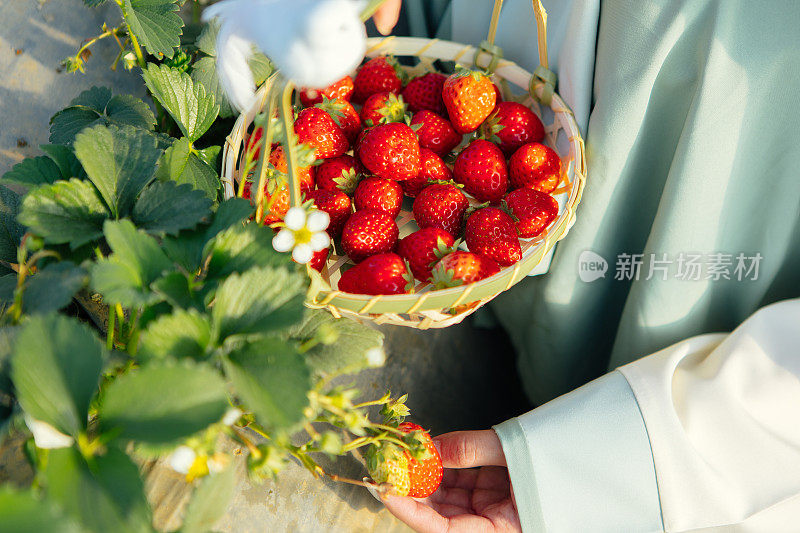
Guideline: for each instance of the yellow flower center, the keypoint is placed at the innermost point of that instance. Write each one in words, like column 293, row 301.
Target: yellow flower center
column 302, row 236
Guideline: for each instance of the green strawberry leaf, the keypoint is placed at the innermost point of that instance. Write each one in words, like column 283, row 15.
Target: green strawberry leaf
column 23, row 512
column 240, row 248
column 65, row 212
column 182, row 164
column 64, row 157
column 97, row 106
column 189, row 103
column 354, row 346
column 33, row 171
column 210, row 501
column 210, row 155
column 261, row 300
column 53, row 287
column 272, row 380
column 155, row 23
column 11, row 231
column 108, row 496
column 181, row 334
column 187, row 248
column 167, row 208
column 119, row 161
column 163, row 402
column 137, row 261
column 176, row 288
column 56, row 369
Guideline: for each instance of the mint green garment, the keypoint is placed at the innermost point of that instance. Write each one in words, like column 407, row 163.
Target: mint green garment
column 693, row 108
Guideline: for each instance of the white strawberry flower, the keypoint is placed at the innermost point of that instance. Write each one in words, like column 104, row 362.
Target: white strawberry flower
column 303, row 233
column 46, row 436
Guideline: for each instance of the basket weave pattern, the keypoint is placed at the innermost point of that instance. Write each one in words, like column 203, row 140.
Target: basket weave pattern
column 427, row 308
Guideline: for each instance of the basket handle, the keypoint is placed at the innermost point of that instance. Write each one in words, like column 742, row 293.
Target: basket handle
column 542, row 77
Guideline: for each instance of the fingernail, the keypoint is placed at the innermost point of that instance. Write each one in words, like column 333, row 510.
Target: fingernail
column 372, row 488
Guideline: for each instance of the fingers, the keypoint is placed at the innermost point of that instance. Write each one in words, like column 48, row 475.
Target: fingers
column 386, row 16
column 468, row 449
column 418, row 516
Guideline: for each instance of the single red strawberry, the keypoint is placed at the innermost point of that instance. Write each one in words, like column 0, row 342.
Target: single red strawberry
column 316, row 128
column 319, row 259
column 378, row 274
column 340, row 90
column 432, row 168
column 416, row 474
column 535, row 166
column 425, row 474
column 390, row 151
column 369, row 233
column 379, row 194
column 344, row 115
column 423, row 248
column 381, row 108
column 336, row 204
column 425, row 92
column 481, row 169
column 469, row 97
column 462, row 268
column 434, row 132
column 441, row 205
column 306, row 173
column 337, row 173
column 491, row 231
column 532, row 210
column 511, row 125
column 377, row 75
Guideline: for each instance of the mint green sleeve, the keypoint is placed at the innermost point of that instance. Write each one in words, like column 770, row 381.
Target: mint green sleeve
column 582, row 462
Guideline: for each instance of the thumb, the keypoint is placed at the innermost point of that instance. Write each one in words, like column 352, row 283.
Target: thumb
column 468, row 449
column 387, row 15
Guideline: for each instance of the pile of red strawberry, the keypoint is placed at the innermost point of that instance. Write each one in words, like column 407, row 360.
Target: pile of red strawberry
column 363, row 163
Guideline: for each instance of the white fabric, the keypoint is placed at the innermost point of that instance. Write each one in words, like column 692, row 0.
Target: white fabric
column 723, row 416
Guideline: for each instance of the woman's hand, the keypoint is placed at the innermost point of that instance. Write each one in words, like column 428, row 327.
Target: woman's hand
column 475, row 495
column 387, row 15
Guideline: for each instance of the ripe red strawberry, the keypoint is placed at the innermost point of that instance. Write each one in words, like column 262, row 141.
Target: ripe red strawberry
column 469, row 97
column 441, row 205
column 511, row 125
column 481, row 168
column 535, row 166
column 319, row 259
column 340, row 90
column 276, row 198
column 306, row 173
column 491, row 231
column 425, row 92
column 369, row 233
column 381, row 108
column 415, row 477
column 390, row 151
column 378, row 274
column 533, row 210
column 316, row 128
column 432, row 168
column 462, row 268
column 345, row 115
column 379, row 194
column 434, row 132
column 423, row 248
column 425, row 474
column 377, row 75
column 336, row 204
column 337, row 173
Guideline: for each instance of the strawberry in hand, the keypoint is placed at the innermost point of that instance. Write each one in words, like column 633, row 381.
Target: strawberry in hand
column 416, row 473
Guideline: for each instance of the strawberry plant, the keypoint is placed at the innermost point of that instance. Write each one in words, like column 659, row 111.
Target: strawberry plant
column 202, row 337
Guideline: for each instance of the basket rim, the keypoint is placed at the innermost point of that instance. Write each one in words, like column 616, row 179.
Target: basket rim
column 487, row 288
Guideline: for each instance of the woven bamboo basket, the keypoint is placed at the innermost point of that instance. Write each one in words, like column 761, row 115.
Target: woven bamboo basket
column 427, row 308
